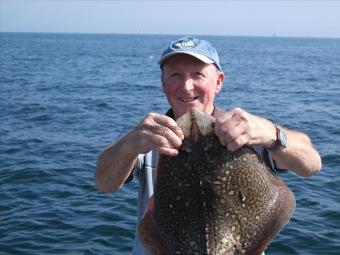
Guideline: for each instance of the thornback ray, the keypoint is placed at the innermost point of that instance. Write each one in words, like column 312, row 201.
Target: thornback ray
column 209, row 200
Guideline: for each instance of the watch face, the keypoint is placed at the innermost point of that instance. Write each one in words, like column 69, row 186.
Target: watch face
column 282, row 139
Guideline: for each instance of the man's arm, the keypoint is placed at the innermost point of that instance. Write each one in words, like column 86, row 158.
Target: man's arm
column 116, row 161
column 299, row 155
column 236, row 128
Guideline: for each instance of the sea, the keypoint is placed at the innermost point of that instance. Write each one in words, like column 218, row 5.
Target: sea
column 64, row 97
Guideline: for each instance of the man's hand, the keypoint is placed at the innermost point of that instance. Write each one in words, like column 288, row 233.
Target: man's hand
column 236, row 128
column 158, row 132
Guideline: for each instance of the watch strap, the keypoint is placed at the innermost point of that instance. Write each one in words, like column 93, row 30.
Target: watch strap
column 281, row 139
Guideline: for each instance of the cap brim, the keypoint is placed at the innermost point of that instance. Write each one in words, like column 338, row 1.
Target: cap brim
column 200, row 57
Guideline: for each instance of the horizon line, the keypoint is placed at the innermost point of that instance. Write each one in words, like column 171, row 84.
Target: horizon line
column 170, row 34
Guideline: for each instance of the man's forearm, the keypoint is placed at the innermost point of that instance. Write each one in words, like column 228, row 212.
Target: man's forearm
column 114, row 165
column 299, row 156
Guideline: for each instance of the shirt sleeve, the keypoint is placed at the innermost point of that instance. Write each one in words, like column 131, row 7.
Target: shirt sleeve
column 137, row 169
column 268, row 159
column 267, row 154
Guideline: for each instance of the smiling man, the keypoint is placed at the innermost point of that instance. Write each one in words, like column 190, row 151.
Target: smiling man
column 191, row 77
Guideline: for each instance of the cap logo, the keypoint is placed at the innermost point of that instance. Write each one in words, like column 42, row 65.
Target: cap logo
column 185, row 43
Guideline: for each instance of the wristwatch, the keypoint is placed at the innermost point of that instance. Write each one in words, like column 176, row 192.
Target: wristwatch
column 281, row 142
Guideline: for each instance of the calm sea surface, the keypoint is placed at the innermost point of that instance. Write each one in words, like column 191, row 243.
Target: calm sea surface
column 63, row 97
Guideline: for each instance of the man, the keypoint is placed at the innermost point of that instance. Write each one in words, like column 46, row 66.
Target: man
column 191, row 77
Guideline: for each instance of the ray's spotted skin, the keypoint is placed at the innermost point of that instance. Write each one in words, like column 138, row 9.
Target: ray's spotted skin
column 212, row 201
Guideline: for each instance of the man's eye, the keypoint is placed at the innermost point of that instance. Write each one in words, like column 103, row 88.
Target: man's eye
column 199, row 74
column 174, row 74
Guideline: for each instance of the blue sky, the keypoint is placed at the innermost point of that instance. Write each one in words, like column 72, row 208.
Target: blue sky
column 253, row 18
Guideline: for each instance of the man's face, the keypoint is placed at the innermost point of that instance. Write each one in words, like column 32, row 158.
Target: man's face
column 188, row 82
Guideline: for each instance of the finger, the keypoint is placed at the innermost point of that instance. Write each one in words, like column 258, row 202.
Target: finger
column 220, row 135
column 169, row 123
column 221, row 119
column 225, row 123
column 238, row 143
column 156, row 140
column 167, row 151
column 233, row 126
column 160, row 144
column 234, row 132
column 166, row 133
column 168, row 128
column 157, row 124
column 227, row 132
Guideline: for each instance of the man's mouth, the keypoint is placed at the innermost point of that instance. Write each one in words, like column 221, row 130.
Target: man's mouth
column 187, row 99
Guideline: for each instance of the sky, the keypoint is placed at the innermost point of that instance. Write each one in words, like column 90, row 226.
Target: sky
column 294, row 18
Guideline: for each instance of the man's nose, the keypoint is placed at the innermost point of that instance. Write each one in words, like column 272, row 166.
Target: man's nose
column 188, row 83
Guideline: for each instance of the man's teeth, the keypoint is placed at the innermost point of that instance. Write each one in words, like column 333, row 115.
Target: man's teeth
column 188, row 99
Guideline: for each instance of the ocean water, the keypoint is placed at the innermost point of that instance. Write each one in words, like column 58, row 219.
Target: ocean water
column 64, row 97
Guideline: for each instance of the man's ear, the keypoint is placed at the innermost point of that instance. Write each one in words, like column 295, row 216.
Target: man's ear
column 162, row 78
column 163, row 87
column 219, row 82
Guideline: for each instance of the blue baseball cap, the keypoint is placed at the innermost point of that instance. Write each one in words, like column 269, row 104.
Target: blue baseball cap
column 192, row 46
